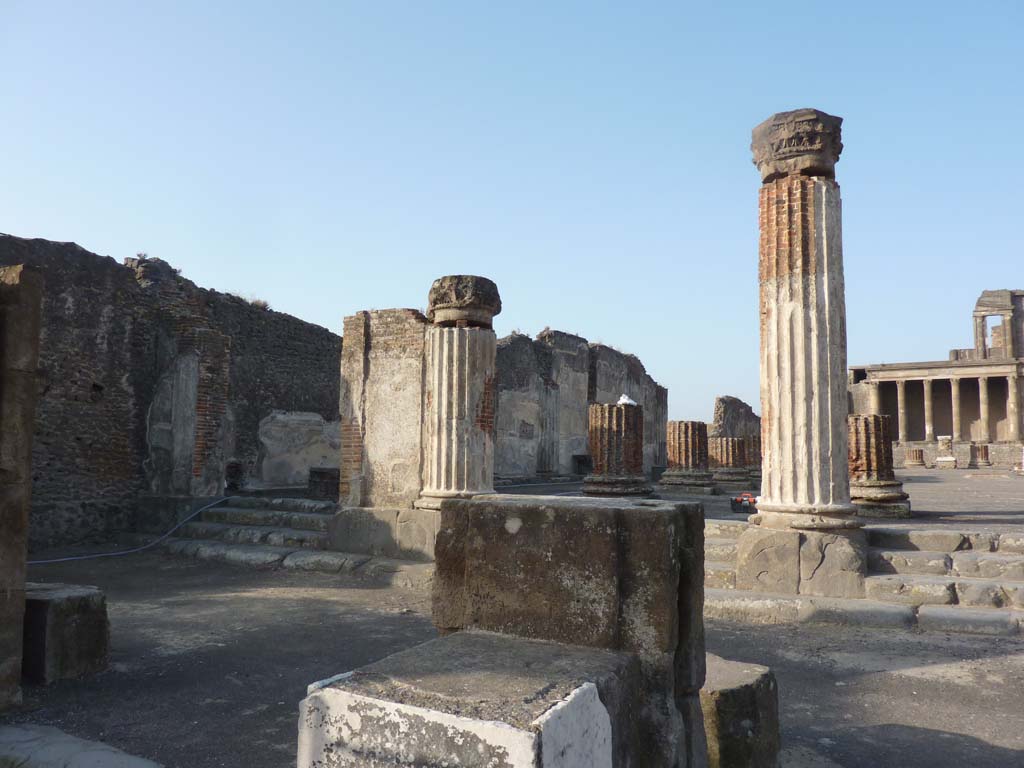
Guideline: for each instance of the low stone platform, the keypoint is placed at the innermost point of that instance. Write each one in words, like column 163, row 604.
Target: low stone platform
column 67, row 634
column 43, row 746
column 476, row 699
column 741, row 714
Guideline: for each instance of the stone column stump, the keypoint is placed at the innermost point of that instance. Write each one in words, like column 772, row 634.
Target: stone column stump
column 914, row 457
column 804, row 539
column 874, row 489
column 728, row 459
column 688, row 457
column 460, row 389
column 979, row 456
column 617, row 450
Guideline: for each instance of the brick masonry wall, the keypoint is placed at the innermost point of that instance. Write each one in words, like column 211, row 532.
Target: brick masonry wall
column 110, row 333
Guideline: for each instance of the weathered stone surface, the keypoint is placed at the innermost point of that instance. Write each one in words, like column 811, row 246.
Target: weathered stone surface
column 803, row 142
column 989, row 565
column 833, row 564
column 477, row 699
column 43, row 746
column 616, row 448
column 733, row 418
column 329, row 562
column 909, row 561
column 292, row 442
column 67, row 634
column 768, row 561
column 463, row 299
column 382, row 408
column 920, row 590
column 593, row 572
column 874, row 489
column 20, row 321
column 458, row 425
column 740, row 702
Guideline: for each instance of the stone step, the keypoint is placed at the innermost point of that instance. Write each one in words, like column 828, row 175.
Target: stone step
column 284, row 504
column 723, row 529
column 945, row 590
column 256, row 534
column 720, row 550
column 909, row 561
column 400, row 573
column 945, row 540
column 277, row 518
column 719, row 575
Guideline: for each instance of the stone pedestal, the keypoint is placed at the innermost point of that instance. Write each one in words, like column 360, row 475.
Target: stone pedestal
column 874, row 489
column 914, row 457
column 458, row 428
column 979, row 456
column 741, row 715
column 20, row 301
column 67, row 634
column 945, row 458
column 805, row 538
column 688, row 457
column 617, row 450
column 728, row 460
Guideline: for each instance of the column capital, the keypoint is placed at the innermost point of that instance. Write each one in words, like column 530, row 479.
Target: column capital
column 803, row 142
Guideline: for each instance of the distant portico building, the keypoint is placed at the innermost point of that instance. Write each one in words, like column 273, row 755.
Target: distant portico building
column 974, row 397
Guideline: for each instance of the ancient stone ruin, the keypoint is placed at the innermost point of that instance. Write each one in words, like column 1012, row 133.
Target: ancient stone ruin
column 805, row 540
column 688, row 457
column 874, row 489
column 20, row 309
column 616, row 448
column 727, row 457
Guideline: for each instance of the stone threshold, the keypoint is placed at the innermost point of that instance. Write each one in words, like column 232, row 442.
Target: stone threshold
column 765, row 608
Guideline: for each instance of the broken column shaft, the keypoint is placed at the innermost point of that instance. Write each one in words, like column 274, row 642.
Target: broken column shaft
column 459, row 391
column 688, row 456
column 729, row 461
column 617, row 449
column 805, row 540
column 874, row 489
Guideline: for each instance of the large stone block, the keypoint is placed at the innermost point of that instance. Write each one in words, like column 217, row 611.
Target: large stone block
column 593, row 572
column 833, row 564
column 67, row 634
column 768, row 560
column 741, row 715
column 476, row 700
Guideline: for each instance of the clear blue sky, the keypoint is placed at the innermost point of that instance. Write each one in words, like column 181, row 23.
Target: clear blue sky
column 591, row 158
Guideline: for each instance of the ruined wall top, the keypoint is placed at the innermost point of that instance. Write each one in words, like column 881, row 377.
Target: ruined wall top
column 803, row 142
column 463, row 300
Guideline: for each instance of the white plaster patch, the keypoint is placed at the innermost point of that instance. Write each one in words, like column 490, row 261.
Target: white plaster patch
column 576, row 732
column 513, row 524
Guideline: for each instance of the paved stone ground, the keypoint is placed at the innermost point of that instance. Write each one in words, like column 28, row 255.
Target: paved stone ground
column 210, row 661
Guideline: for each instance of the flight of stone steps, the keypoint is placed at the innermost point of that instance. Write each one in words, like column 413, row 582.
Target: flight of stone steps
column 978, row 575
column 289, row 533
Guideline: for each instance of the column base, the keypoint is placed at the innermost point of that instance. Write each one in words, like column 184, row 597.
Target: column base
column 876, row 491
column 616, row 485
column 433, row 499
column 690, row 477
column 891, row 510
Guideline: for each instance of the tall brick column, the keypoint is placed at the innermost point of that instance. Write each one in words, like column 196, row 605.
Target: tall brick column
column 20, row 302
column 874, row 489
column 458, row 429
column 617, row 449
column 687, row 444
column 805, row 539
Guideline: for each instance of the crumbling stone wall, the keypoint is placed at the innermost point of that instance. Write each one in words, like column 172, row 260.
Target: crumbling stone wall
column 734, row 418
column 150, row 384
column 544, row 387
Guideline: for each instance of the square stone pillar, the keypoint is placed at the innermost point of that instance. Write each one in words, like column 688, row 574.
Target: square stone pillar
column 805, row 539
column 458, row 429
column 20, row 301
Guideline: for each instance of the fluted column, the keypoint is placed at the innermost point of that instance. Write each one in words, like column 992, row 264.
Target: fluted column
column 727, row 457
column 1013, row 406
column 804, row 507
column 616, row 439
column 954, row 395
column 874, row 489
column 687, row 443
column 929, row 413
column 458, row 428
column 986, row 435
column 901, row 409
